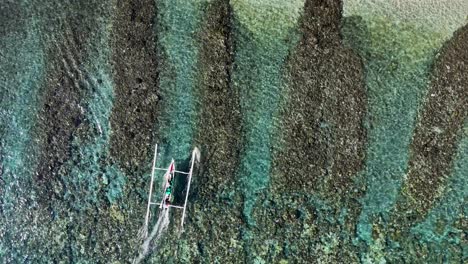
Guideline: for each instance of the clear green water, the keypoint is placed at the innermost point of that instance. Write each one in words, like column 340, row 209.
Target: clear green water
column 178, row 22
column 398, row 61
column 263, row 59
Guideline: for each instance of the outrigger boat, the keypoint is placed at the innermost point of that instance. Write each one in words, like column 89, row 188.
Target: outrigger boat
column 168, row 187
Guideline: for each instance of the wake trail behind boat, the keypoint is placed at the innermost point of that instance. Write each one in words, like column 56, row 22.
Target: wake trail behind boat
column 156, row 234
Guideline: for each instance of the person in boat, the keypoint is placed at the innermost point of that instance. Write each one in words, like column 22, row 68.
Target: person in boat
column 168, row 191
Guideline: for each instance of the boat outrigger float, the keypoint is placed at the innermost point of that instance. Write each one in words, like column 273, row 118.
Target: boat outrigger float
column 168, row 181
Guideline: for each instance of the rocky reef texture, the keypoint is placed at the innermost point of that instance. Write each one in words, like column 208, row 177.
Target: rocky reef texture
column 218, row 126
column 135, row 68
column 433, row 160
column 321, row 148
column 323, row 118
column 330, row 131
column 66, row 88
column 439, row 127
column 218, row 137
column 399, row 62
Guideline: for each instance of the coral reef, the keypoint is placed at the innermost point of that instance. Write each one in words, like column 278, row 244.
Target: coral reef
column 330, row 131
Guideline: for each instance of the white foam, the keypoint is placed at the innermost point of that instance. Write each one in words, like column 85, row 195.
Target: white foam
column 156, row 235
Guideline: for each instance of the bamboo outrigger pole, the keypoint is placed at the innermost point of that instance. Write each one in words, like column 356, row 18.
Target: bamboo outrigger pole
column 151, row 186
column 188, row 187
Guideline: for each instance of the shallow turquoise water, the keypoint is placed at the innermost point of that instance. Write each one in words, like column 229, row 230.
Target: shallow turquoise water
column 179, row 48
column 98, row 215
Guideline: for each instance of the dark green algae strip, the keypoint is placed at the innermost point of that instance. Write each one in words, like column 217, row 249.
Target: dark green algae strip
column 448, row 216
column 73, row 82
